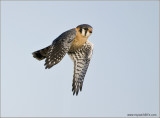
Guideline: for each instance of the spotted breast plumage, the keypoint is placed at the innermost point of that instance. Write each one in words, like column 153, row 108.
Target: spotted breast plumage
column 75, row 43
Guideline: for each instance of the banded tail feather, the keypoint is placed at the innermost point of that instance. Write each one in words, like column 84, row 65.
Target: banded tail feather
column 41, row 54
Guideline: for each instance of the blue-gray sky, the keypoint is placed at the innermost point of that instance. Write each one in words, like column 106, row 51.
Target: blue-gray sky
column 123, row 74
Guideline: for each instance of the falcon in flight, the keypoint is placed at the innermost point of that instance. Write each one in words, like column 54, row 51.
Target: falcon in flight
column 75, row 43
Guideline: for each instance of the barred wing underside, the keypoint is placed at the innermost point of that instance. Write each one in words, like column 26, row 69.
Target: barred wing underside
column 81, row 59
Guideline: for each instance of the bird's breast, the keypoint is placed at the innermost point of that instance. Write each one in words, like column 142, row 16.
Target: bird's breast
column 77, row 43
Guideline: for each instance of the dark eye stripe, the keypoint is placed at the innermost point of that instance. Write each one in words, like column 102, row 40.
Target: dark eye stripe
column 80, row 30
column 86, row 32
column 86, row 29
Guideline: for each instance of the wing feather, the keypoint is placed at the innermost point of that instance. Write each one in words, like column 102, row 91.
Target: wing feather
column 59, row 48
column 81, row 60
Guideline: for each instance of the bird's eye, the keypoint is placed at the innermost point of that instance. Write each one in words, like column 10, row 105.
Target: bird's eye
column 90, row 31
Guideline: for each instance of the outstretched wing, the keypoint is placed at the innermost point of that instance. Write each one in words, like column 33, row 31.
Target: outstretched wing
column 81, row 59
column 59, row 48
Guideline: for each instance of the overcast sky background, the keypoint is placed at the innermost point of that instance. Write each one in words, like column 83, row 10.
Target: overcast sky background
column 123, row 74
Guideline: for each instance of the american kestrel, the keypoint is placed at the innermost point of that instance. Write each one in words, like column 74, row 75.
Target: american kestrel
column 75, row 43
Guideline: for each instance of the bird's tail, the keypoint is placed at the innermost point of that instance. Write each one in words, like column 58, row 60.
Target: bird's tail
column 41, row 54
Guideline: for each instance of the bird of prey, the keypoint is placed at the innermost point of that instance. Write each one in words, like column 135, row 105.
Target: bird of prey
column 75, row 43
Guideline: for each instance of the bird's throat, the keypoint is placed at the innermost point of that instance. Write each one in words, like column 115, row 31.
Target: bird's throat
column 78, row 42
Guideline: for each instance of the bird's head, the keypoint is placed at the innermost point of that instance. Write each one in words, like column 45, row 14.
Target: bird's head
column 85, row 30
